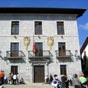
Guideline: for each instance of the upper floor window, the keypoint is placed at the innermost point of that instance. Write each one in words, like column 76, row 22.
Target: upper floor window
column 38, row 28
column 14, row 47
column 39, row 49
column 60, row 28
column 15, row 28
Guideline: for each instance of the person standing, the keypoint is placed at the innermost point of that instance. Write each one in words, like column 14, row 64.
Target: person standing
column 50, row 79
column 63, row 81
column 82, row 80
column 67, row 82
column 1, row 78
column 9, row 79
column 14, row 79
column 76, row 82
column 55, row 81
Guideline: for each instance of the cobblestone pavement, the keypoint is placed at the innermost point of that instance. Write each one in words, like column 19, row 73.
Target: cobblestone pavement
column 31, row 85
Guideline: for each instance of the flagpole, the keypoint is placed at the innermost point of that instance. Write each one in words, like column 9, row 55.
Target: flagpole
column 33, row 39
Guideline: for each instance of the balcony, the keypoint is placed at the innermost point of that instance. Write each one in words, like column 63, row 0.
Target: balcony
column 14, row 55
column 63, row 54
column 44, row 55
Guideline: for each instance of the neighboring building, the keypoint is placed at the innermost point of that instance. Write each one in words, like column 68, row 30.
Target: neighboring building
column 84, row 54
column 37, row 42
column 84, row 47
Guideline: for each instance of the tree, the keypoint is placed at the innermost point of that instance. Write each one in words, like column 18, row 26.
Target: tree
column 85, row 65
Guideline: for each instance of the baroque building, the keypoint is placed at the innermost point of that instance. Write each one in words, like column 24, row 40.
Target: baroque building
column 37, row 42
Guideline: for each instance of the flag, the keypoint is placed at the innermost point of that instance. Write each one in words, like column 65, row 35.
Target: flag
column 34, row 46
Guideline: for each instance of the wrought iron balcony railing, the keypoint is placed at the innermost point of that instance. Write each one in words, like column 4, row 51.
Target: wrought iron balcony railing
column 14, row 54
column 63, row 54
column 40, row 55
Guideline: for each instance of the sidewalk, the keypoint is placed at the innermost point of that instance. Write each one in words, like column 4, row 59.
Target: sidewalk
column 31, row 85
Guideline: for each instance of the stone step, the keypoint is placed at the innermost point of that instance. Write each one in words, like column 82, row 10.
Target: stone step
column 32, row 85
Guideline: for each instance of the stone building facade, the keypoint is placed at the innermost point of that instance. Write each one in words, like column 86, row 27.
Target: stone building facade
column 37, row 42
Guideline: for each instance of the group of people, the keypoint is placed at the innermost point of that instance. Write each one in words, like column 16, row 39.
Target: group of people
column 80, row 81
column 77, row 81
column 14, row 79
column 11, row 79
column 57, row 83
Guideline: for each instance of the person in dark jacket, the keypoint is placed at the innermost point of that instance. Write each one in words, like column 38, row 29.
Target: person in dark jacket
column 67, row 82
column 63, row 81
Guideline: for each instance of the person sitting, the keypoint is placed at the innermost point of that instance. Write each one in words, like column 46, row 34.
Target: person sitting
column 22, row 81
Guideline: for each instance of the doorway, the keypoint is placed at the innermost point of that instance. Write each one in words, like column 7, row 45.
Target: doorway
column 14, row 69
column 39, row 73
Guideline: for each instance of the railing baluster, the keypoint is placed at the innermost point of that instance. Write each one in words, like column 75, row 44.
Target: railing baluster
column 66, row 53
column 14, row 54
column 45, row 55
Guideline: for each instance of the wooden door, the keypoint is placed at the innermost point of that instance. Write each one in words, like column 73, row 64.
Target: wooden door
column 39, row 73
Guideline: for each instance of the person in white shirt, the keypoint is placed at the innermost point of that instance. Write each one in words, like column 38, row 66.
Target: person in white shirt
column 14, row 79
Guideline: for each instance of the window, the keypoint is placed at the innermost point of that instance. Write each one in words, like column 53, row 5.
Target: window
column 15, row 28
column 14, row 49
column 38, row 49
column 61, row 48
column 14, row 46
column 60, row 28
column 14, row 69
column 63, row 70
column 38, row 28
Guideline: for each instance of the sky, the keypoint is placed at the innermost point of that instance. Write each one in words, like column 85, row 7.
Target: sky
column 82, row 21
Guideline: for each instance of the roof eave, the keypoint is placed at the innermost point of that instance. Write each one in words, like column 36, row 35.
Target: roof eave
column 79, row 12
column 84, row 45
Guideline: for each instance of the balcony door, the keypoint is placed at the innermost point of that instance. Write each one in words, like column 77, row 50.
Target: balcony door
column 38, row 49
column 14, row 49
column 61, row 49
